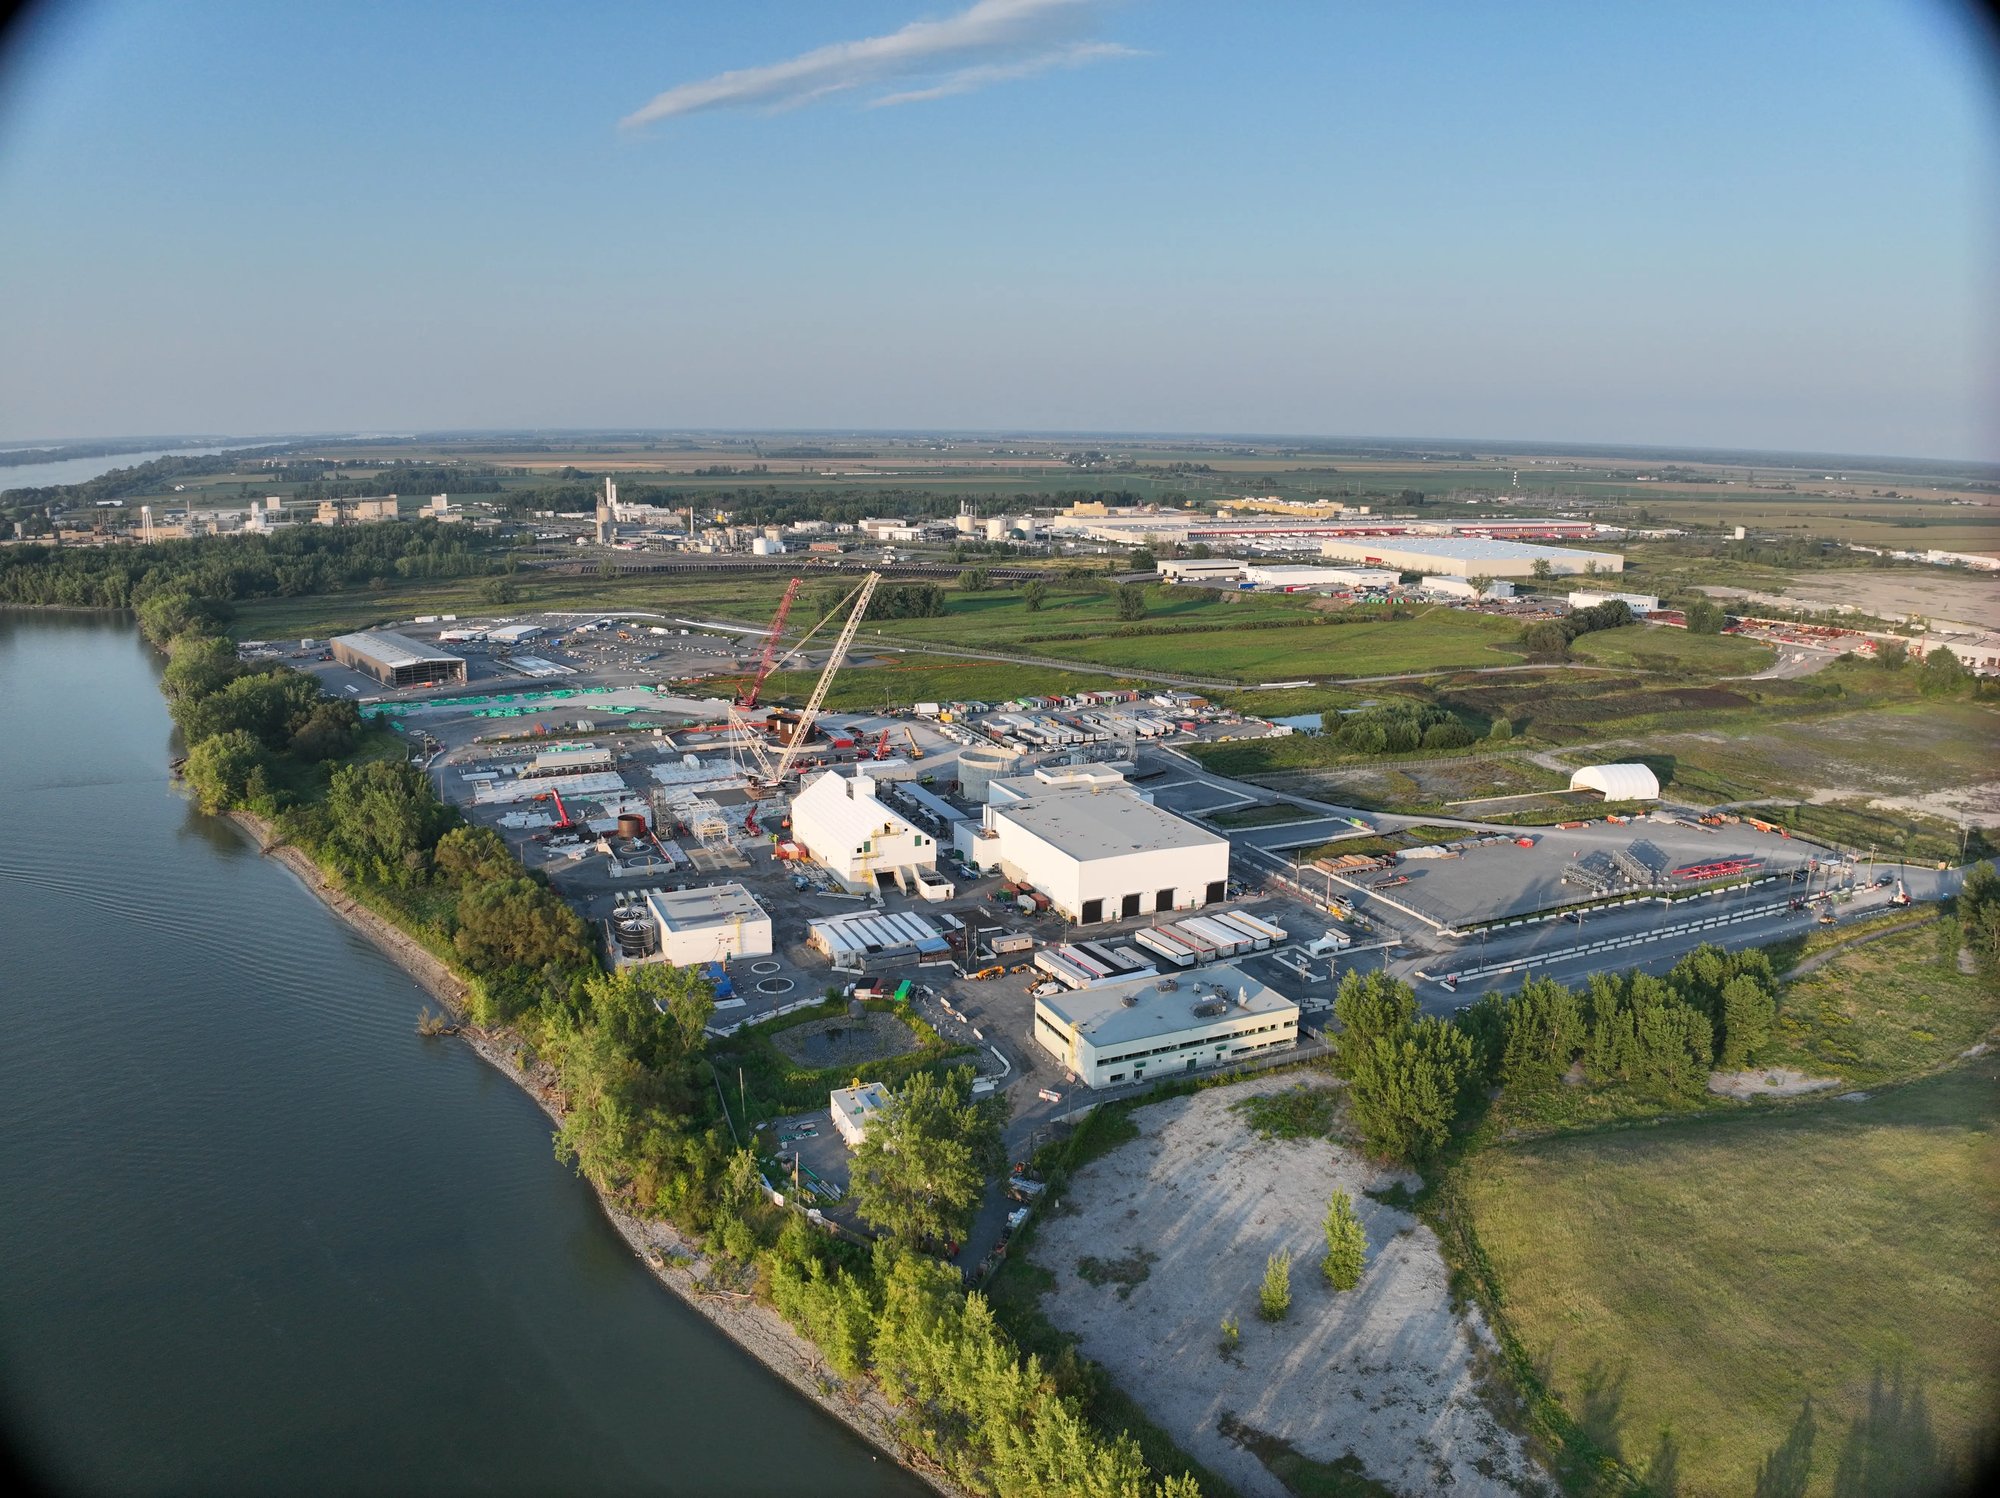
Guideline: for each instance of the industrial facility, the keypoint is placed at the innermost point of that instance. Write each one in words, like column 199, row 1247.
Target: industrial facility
column 1465, row 556
column 848, row 831
column 397, row 660
column 1127, row 1031
column 689, row 926
column 1100, row 854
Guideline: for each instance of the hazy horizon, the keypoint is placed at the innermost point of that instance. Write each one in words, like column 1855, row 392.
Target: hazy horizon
column 1770, row 230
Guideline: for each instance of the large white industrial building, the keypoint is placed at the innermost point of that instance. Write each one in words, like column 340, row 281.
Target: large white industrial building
column 855, row 837
column 1100, row 854
column 1466, row 556
column 711, row 924
column 1127, row 1031
column 1638, row 603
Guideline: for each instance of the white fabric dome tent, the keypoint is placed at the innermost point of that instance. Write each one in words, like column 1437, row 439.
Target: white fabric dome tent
column 1618, row 782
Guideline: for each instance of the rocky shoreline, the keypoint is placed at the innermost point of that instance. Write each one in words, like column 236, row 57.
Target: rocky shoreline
column 680, row 1264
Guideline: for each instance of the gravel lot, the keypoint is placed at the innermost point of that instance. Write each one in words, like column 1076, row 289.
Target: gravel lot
column 1385, row 1371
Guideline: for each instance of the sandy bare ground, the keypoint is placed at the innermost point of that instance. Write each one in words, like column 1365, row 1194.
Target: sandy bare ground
column 1773, row 1081
column 1385, row 1371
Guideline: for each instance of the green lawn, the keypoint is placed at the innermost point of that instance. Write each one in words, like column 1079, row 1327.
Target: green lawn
column 1659, row 647
column 1685, row 1289
column 1438, row 639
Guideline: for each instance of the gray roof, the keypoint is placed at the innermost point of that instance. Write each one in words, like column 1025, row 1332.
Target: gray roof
column 710, row 905
column 1101, row 1016
column 392, row 649
column 1103, row 824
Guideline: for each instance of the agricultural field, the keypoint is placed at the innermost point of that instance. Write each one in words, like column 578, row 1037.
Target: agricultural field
column 1432, row 785
column 749, row 598
column 1660, row 647
column 1434, row 640
column 1803, row 1289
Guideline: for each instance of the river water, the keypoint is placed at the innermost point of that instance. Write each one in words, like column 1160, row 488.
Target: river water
column 82, row 470
column 255, row 1234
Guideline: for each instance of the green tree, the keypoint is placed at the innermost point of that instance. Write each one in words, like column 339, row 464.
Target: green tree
column 517, row 924
column 1543, row 1033
column 657, row 1012
column 1131, row 601
column 1405, row 1089
column 328, row 732
column 199, row 665
column 919, row 1173
column 1543, row 570
column 1547, row 640
column 1034, row 595
column 1942, row 674
column 1142, row 559
column 226, row 770
column 1274, row 1296
column 974, row 580
column 1368, row 1007
column 1703, row 615
column 1482, row 583
column 383, row 819
column 1748, row 1012
column 1891, row 655
column 1346, row 1243
column 1501, row 731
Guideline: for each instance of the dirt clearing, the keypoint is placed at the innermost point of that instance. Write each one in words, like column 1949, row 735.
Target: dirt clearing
column 1189, row 1211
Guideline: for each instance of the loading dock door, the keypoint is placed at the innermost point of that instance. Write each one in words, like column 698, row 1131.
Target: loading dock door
column 1129, row 905
column 1092, row 912
column 1217, row 888
column 1164, row 900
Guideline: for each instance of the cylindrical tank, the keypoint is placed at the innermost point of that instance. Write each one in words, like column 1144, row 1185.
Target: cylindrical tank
column 980, row 764
column 635, row 938
column 631, row 824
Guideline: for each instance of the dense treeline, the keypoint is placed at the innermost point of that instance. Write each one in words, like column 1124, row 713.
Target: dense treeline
column 292, row 562
column 1400, row 728
column 644, row 1118
column 1413, row 1078
column 1551, row 638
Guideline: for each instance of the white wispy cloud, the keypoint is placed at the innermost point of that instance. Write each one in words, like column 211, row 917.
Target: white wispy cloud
column 991, row 41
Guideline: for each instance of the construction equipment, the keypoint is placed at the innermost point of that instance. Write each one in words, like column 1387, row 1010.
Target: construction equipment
column 1901, row 896
column 881, row 749
column 916, row 749
column 834, row 660
column 562, row 821
column 769, row 658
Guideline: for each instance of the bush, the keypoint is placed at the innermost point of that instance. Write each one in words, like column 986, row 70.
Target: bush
column 1274, row 1297
column 1346, row 1244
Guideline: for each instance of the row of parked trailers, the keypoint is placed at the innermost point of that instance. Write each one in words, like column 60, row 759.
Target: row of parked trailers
column 1196, row 939
column 1067, row 730
column 1188, row 942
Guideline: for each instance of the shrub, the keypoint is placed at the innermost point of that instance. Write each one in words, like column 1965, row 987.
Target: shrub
column 1274, row 1297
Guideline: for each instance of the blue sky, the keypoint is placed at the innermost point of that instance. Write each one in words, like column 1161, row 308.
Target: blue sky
column 1756, row 224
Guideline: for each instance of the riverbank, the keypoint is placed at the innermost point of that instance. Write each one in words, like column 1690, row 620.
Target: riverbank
column 678, row 1262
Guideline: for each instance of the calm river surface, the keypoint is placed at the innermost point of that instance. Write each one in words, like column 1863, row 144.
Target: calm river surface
column 256, row 1235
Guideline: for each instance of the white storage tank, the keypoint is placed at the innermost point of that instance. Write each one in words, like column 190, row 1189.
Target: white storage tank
column 979, row 765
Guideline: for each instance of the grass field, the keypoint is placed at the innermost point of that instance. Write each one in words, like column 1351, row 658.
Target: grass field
column 1434, row 640
column 1686, row 1289
column 1883, row 1009
column 1659, row 647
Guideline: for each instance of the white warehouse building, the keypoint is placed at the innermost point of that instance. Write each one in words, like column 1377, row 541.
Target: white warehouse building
column 1115, row 1033
column 710, row 924
column 1466, row 556
column 1638, row 603
column 1100, row 855
column 855, row 837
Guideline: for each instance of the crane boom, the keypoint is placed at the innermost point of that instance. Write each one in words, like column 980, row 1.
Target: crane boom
column 833, row 663
column 771, row 643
